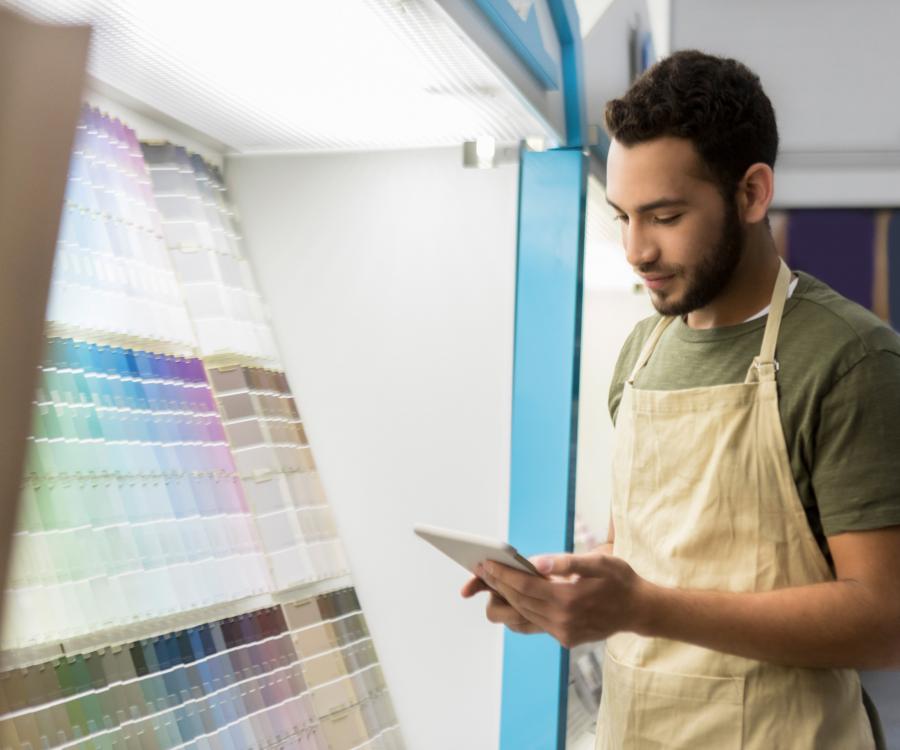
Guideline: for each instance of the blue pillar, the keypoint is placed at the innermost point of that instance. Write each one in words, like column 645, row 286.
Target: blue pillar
column 552, row 192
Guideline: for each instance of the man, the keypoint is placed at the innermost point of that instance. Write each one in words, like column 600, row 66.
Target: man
column 754, row 556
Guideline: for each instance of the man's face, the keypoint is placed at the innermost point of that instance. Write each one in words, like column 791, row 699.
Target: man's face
column 679, row 233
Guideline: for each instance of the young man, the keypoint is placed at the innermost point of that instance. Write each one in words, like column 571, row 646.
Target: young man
column 754, row 561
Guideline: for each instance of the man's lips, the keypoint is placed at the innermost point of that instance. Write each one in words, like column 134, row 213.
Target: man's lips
column 657, row 281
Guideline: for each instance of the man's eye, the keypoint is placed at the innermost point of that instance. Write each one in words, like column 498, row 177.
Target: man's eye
column 621, row 217
column 667, row 219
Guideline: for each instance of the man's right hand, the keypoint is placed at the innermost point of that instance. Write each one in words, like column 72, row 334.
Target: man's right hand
column 498, row 610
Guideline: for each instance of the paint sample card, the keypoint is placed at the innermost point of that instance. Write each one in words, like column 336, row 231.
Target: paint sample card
column 201, row 233
column 131, row 507
column 159, row 493
column 111, row 271
column 302, row 675
column 279, row 475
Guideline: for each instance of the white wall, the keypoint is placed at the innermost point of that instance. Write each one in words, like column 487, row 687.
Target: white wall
column 608, row 316
column 390, row 279
column 606, row 55
column 824, row 64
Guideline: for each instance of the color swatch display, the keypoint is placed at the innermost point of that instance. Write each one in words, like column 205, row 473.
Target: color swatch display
column 341, row 669
column 267, row 438
column 226, row 309
column 131, row 507
column 279, row 474
column 169, row 483
column 111, row 272
column 256, row 680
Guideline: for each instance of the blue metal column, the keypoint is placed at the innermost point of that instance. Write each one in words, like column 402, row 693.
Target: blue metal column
column 552, row 191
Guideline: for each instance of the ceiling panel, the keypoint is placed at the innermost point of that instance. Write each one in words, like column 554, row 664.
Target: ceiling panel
column 299, row 76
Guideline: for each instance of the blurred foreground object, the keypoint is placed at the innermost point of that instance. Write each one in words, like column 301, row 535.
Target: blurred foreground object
column 41, row 77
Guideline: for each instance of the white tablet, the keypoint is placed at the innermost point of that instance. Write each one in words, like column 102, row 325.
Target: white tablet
column 469, row 550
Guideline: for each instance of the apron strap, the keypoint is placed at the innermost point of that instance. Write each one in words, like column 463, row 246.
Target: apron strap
column 765, row 365
column 649, row 346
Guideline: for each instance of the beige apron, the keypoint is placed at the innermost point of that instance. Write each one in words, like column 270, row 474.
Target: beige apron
column 704, row 498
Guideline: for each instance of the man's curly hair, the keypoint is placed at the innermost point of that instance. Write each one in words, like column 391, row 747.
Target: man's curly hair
column 716, row 103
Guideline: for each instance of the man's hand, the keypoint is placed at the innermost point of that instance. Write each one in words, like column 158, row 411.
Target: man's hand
column 585, row 597
column 498, row 609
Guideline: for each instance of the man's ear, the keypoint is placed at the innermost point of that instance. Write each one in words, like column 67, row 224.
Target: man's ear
column 755, row 192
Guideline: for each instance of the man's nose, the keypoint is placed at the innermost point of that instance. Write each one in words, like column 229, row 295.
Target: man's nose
column 640, row 249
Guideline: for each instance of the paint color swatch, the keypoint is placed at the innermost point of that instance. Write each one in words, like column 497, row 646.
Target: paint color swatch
column 279, row 475
column 111, row 273
column 199, row 227
column 131, row 506
column 153, row 502
column 303, row 676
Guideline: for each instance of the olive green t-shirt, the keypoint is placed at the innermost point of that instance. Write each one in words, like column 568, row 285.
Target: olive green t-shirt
column 839, row 398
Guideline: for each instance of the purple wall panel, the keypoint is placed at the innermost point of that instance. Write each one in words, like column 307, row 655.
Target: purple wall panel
column 836, row 246
column 894, row 269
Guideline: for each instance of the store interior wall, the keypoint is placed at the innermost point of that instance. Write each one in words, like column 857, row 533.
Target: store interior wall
column 608, row 316
column 823, row 65
column 605, row 49
column 391, row 282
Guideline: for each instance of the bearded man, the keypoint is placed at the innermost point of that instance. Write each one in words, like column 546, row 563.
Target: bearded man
column 754, row 555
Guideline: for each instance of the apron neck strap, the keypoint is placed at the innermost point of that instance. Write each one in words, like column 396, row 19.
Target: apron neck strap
column 765, row 365
column 649, row 347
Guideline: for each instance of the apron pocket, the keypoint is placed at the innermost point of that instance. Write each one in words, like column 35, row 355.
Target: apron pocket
column 642, row 709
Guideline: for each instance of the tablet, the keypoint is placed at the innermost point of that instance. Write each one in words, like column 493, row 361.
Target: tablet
column 469, row 550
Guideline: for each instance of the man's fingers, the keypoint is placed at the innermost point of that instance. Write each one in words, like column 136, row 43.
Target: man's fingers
column 516, row 606
column 526, row 629
column 543, row 563
column 514, row 589
column 473, row 586
column 534, row 616
column 499, row 611
column 569, row 564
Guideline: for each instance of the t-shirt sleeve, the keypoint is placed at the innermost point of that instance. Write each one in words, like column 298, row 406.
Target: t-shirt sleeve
column 856, row 468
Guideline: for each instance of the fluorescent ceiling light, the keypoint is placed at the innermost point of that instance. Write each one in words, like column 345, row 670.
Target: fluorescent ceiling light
column 273, row 75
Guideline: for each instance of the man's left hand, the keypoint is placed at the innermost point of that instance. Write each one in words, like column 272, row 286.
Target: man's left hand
column 584, row 598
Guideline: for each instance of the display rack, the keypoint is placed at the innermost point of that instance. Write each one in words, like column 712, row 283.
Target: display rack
column 177, row 580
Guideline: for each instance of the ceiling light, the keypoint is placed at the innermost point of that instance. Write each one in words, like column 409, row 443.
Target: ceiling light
column 269, row 79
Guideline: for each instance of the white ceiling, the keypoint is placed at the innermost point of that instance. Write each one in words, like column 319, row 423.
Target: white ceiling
column 307, row 75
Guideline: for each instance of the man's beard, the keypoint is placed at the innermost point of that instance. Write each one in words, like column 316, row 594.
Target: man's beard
column 711, row 274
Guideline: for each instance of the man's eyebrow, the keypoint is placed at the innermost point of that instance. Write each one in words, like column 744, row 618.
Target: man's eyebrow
column 661, row 203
